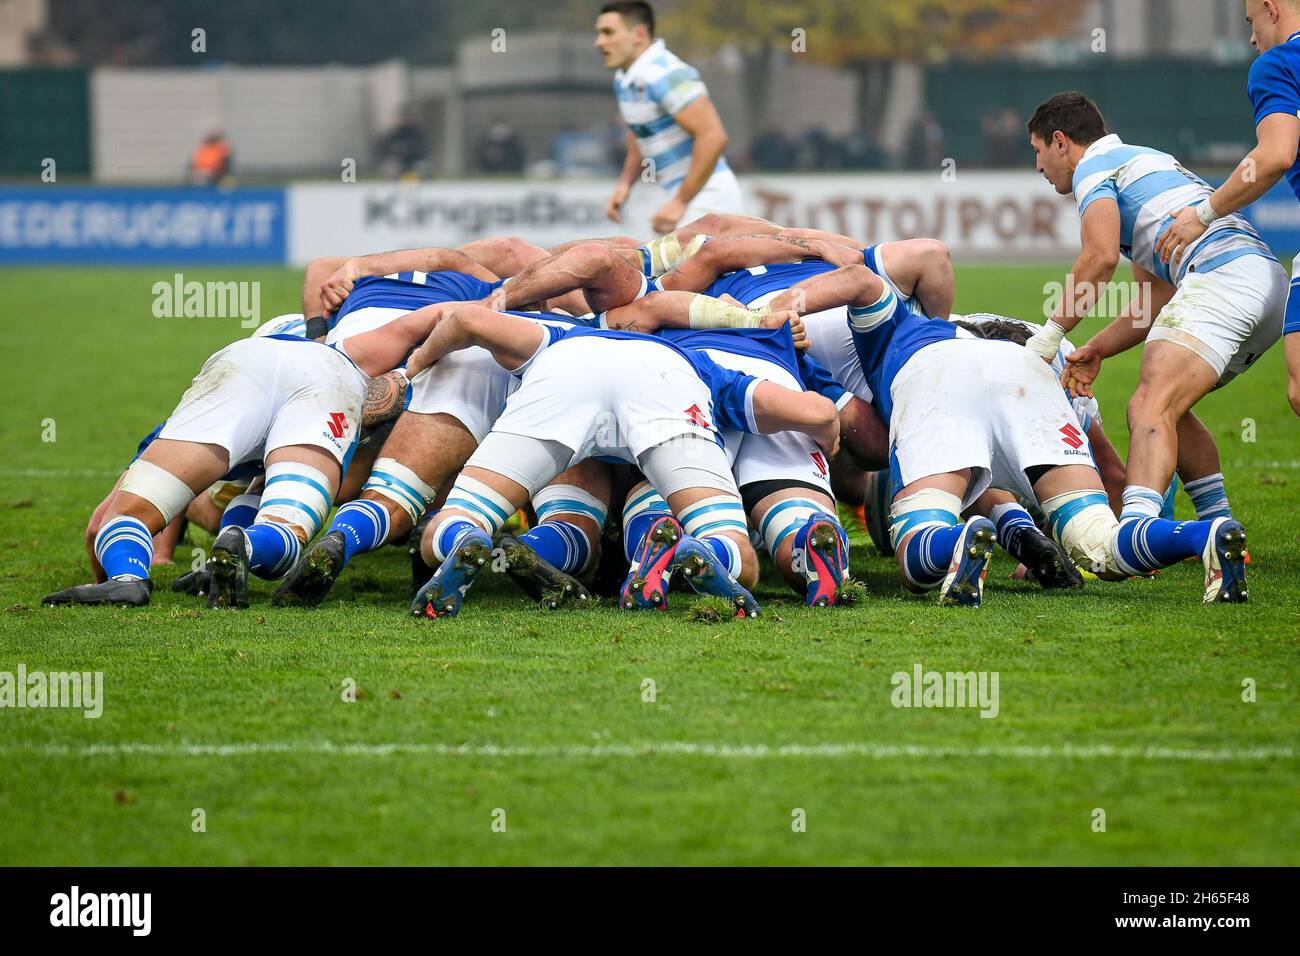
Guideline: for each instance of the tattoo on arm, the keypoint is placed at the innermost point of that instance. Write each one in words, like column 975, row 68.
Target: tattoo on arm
column 383, row 400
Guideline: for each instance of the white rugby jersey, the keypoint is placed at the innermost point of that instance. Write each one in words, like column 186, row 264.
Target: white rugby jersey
column 651, row 92
column 1150, row 186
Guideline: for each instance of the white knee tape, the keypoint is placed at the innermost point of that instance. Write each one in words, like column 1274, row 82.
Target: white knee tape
column 926, row 508
column 710, row 517
column 223, row 492
column 866, row 318
column 487, row 509
column 159, row 487
column 1084, row 525
column 643, row 498
column 400, row 485
column 296, row 495
column 556, row 500
column 784, row 519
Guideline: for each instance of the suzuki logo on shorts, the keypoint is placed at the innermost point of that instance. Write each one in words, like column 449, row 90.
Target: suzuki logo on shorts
column 1072, row 436
column 697, row 416
column 820, row 461
column 338, row 424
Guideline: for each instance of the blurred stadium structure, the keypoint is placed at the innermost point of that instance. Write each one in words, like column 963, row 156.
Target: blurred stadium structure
column 441, row 91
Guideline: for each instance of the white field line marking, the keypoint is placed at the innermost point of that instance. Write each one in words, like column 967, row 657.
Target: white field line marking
column 668, row 748
column 1292, row 465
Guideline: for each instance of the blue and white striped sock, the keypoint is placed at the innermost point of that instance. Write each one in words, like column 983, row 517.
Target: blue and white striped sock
column 1143, row 545
column 364, row 525
column 124, row 548
column 928, row 554
column 1210, row 497
column 1140, row 502
column 728, row 553
column 563, row 544
column 273, row 549
column 449, row 536
column 241, row 512
column 1011, row 520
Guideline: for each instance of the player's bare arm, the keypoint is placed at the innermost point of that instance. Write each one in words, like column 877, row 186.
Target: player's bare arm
column 701, row 121
column 434, row 259
column 1128, row 329
column 1260, row 171
column 626, row 180
column 853, row 285
column 722, row 255
column 690, row 310
column 603, row 277
column 511, row 340
column 1095, row 266
column 384, row 397
column 777, row 408
column 503, row 256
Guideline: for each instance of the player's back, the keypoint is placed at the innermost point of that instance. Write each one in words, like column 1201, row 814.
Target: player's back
column 747, row 286
column 414, row 290
column 650, row 93
column 1149, row 187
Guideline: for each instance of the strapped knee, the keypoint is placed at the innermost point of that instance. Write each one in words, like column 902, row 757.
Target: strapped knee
column 926, row 508
column 786, row 518
column 296, row 495
column 391, row 479
column 1083, row 524
column 555, row 501
column 715, row 516
column 159, row 487
column 644, row 497
column 483, row 506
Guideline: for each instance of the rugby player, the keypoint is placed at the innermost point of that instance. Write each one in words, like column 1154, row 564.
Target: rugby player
column 967, row 414
column 673, row 127
column 448, row 413
column 1219, row 308
column 293, row 404
column 1274, row 91
column 644, row 401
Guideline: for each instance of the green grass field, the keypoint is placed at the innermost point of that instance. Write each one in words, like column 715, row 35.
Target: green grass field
column 1124, row 697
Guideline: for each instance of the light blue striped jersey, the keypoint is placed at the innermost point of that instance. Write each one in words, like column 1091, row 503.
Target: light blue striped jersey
column 651, row 92
column 291, row 323
column 1149, row 186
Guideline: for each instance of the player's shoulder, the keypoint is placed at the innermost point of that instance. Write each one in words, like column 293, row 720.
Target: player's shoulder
column 1278, row 65
column 1283, row 57
column 291, row 323
column 661, row 69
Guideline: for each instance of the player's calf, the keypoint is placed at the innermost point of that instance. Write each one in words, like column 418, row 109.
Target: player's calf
column 296, row 500
column 458, row 541
column 936, row 550
column 809, row 546
column 546, row 560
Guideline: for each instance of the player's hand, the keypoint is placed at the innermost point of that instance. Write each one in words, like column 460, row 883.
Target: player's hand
column 1186, row 229
column 798, row 331
column 836, row 253
column 828, row 439
column 1082, row 366
column 614, row 205
column 337, row 287
column 668, row 216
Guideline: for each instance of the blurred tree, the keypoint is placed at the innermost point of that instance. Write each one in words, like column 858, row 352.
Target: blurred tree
column 867, row 36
